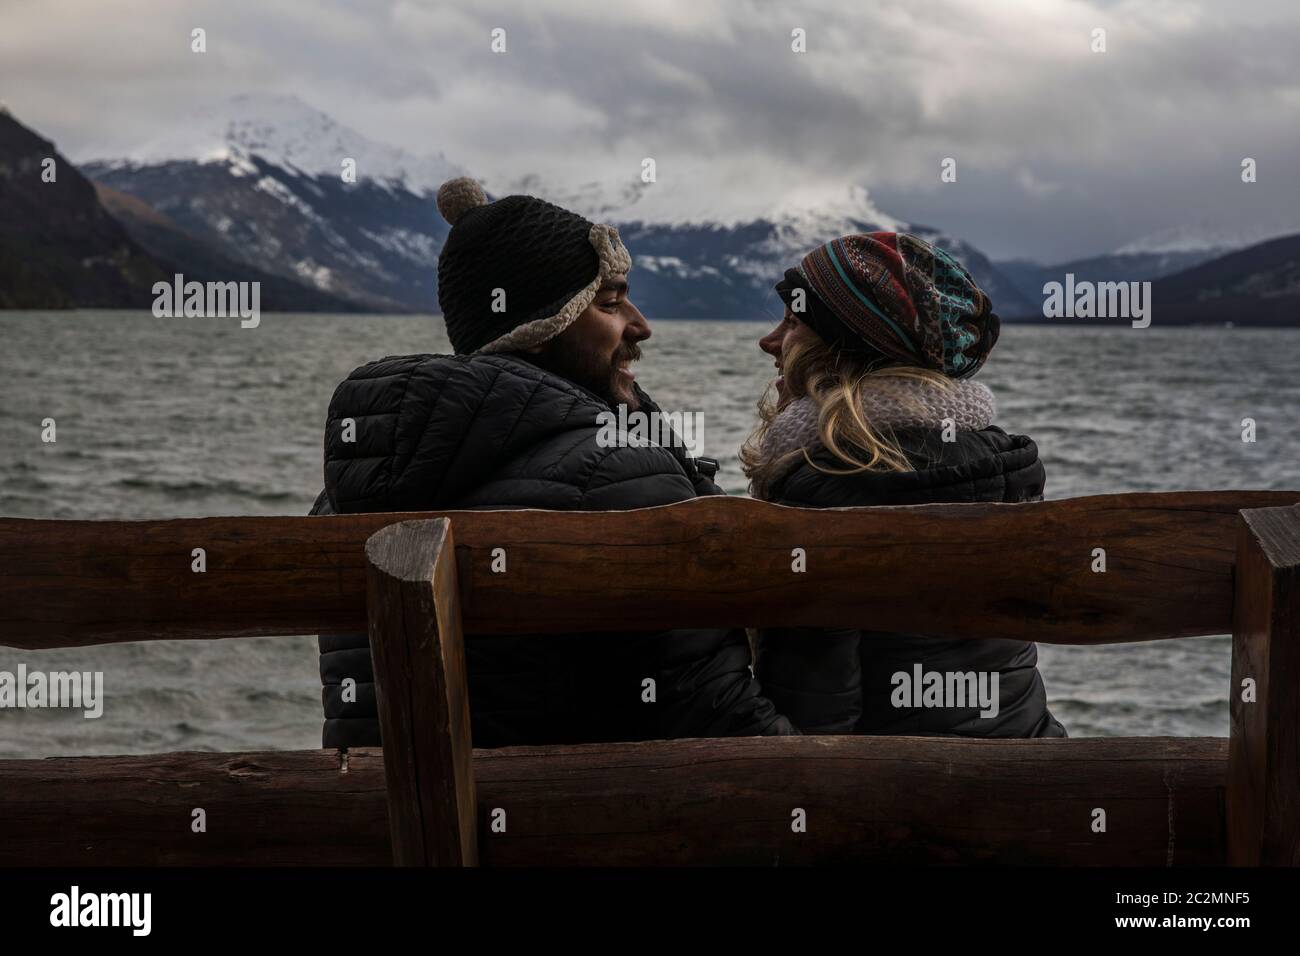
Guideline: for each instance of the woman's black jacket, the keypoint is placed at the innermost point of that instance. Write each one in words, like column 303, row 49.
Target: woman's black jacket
column 843, row 681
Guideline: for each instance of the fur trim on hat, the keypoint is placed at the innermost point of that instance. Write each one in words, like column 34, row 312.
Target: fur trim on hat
column 614, row 260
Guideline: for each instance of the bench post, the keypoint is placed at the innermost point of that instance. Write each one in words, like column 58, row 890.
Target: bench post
column 1263, row 798
column 418, row 650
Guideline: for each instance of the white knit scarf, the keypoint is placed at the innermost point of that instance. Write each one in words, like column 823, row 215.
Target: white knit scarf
column 893, row 403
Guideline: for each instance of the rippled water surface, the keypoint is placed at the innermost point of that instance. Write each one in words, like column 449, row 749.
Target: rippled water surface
column 188, row 417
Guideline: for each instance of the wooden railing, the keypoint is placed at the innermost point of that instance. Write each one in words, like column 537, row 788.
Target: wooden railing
column 419, row 582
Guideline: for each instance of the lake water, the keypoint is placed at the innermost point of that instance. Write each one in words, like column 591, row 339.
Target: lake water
column 185, row 417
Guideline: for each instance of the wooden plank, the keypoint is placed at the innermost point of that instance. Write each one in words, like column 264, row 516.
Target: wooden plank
column 1019, row 571
column 869, row 800
column 422, row 693
column 279, row 808
column 1263, row 797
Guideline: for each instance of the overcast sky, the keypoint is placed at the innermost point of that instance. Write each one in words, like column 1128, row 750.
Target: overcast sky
column 1060, row 151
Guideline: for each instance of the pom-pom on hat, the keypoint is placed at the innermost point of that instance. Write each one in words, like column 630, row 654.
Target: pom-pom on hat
column 895, row 296
column 518, row 271
column 457, row 196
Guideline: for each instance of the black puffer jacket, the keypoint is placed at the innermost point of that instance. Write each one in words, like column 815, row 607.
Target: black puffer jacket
column 841, row 681
column 437, row 432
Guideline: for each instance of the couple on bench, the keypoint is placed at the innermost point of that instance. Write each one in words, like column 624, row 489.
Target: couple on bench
column 873, row 405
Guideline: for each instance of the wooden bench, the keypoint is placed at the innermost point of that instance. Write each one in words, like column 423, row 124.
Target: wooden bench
column 1177, row 565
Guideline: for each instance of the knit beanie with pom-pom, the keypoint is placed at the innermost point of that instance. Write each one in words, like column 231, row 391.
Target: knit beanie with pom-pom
column 518, row 271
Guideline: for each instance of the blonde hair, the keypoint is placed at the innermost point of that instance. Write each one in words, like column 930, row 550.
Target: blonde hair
column 836, row 381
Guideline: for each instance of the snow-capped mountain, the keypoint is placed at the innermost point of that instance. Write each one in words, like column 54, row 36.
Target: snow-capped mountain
column 1257, row 285
column 260, row 177
column 286, row 132
column 1213, row 239
column 705, row 270
column 1193, row 280
column 1150, row 258
column 79, row 244
column 1030, row 277
column 691, row 263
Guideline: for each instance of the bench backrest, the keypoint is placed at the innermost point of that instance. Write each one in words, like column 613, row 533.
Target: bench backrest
column 1175, row 565
column 974, row 570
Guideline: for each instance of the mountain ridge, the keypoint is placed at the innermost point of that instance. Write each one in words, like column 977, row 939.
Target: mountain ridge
column 254, row 189
column 246, row 183
column 59, row 247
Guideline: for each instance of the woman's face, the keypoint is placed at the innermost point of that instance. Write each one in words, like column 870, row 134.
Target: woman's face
column 789, row 331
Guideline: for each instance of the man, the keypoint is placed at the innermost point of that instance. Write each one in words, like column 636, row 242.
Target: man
column 536, row 304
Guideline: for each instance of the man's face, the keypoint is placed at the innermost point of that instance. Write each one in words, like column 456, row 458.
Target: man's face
column 596, row 350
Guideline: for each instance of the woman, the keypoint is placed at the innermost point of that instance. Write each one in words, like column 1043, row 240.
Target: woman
column 874, row 406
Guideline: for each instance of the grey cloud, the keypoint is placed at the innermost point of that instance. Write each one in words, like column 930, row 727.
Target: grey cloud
column 1061, row 152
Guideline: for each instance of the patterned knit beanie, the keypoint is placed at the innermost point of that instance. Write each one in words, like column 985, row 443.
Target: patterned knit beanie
column 897, row 298
column 519, row 271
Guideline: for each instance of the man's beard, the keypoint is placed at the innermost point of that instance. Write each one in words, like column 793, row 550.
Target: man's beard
column 576, row 361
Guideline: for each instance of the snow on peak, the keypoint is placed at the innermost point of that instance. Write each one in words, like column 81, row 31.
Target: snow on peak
column 806, row 215
column 807, row 221
column 1203, row 237
column 287, row 132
